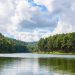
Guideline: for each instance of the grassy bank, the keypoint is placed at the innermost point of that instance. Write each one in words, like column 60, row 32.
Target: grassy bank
column 54, row 52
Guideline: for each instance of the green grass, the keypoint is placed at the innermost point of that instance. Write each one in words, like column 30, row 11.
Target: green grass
column 54, row 52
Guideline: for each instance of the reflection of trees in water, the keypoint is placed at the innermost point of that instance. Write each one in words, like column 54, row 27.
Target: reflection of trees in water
column 19, row 66
column 6, row 62
column 58, row 64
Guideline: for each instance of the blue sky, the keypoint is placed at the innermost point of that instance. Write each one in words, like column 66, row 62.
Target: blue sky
column 30, row 20
column 41, row 7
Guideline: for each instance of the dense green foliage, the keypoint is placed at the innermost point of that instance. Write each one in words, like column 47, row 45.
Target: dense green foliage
column 32, row 47
column 56, row 43
column 8, row 45
column 59, row 42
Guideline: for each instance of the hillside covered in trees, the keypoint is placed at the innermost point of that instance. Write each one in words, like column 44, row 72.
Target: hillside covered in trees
column 58, row 43
column 8, row 45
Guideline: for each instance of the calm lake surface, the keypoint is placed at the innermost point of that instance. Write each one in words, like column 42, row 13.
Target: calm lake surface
column 37, row 64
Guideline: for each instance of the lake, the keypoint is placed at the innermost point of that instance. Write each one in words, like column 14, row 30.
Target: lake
column 37, row 64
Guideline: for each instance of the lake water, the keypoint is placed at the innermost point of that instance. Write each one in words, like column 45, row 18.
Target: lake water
column 37, row 64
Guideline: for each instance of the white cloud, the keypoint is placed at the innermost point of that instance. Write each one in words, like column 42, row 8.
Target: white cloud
column 28, row 23
column 26, row 36
column 66, row 23
column 63, row 28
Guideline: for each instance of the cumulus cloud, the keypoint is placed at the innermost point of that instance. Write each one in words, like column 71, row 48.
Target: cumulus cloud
column 30, row 20
column 66, row 12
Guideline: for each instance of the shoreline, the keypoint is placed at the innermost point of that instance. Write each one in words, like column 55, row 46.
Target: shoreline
column 58, row 53
column 54, row 52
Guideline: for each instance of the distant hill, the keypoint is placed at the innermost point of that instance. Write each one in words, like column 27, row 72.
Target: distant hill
column 58, row 43
column 32, row 46
column 9, row 45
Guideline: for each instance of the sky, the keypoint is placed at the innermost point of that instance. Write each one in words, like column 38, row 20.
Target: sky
column 30, row 20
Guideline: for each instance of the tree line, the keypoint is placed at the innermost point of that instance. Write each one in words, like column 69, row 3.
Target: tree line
column 59, row 42
column 8, row 45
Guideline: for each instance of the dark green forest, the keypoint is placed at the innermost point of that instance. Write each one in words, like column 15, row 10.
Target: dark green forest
column 8, row 45
column 58, row 43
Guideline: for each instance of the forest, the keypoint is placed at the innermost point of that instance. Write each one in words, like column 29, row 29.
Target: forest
column 58, row 43
column 8, row 45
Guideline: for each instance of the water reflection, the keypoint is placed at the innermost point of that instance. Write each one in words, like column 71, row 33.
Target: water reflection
column 60, row 66
column 37, row 66
column 10, row 66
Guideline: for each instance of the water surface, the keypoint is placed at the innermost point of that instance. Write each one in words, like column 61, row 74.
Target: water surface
column 37, row 64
